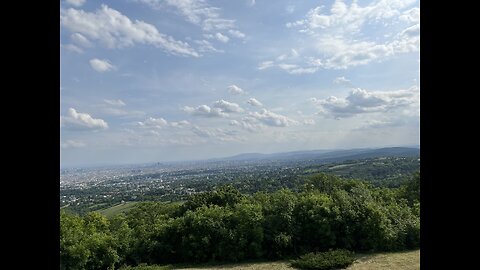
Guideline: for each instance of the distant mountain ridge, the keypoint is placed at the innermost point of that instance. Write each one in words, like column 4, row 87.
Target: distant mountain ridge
column 327, row 155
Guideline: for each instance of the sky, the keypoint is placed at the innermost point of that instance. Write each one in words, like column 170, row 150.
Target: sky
column 169, row 80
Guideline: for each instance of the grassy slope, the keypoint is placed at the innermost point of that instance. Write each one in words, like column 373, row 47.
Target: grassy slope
column 117, row 209
column 408, row 260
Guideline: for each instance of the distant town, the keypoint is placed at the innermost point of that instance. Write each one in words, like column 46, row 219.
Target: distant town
column 89, row 189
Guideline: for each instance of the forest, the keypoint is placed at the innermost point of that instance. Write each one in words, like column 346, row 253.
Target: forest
column 225, row 225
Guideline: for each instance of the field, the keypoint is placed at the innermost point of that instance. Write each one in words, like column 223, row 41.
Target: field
column 117, row 209
column 408, row 260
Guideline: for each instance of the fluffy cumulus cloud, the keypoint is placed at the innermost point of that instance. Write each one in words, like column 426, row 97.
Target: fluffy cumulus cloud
column 154, row 122
column 77, row 3
column 112, row 29
column 254, row 102
column 235, row 90
column 101, row 65
column 361, row 101
column 226, row 106
column 219, row 108
column 248, row 123
column 204, row 110
column 339, row 40
column 81, row 121
column 272, row 119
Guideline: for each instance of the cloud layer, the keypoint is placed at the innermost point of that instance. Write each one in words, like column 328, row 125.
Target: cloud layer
column 338, row 39
column 81, row 121
column 361, row 101
column 112, row 29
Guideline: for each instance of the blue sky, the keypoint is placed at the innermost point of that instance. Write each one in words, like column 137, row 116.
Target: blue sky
column 165, row 80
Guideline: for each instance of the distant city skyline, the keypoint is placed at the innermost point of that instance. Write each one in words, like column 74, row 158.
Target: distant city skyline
column 161, row 80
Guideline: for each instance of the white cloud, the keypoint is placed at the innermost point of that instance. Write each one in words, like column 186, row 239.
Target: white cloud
column 295, row 69
column 226, row 106
column 72, row 144
column 236, row 33
column 154, row 123
column 308, row 70
column 115, row 30
column 72, row 48
column 287, row 66
column 81, row 121
column 272, row 119
column 205, row 110
column 117, row 102
column 198, row 12
column 194, row 11
column 222, row 38
column 235, row 90
column 338, row 37
column 160, row 123
column 254, row 102
column 265, row 65
column 248, row 123
column 288, row 56
column 214, row 24
column 77, row 3
column 411, row 15
column 206, row 46
column 101, row 65
column 361, row 101
column 342, row 81
column 80, row 40
column 251, row 3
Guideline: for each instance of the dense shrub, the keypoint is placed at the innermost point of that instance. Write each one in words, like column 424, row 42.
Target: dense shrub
column 224, row 225
column 333, row 259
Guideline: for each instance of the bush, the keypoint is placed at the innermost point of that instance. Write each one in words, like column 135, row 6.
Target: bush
column 334, row 259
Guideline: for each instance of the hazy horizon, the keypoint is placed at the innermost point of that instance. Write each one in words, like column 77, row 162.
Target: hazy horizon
column 159, row 80
column 113, row 163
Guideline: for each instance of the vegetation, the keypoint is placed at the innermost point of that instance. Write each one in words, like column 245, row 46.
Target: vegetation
column 117, row 209
column 326, row 213
column 325, row 260
column 248, row 179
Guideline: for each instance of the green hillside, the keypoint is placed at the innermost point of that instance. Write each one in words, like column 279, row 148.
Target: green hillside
column 117, row 209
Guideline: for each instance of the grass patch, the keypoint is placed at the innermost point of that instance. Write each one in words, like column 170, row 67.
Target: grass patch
column 117, row 209
column 405, row 260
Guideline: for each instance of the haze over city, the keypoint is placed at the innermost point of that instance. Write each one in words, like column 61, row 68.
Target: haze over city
column 162, row 80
